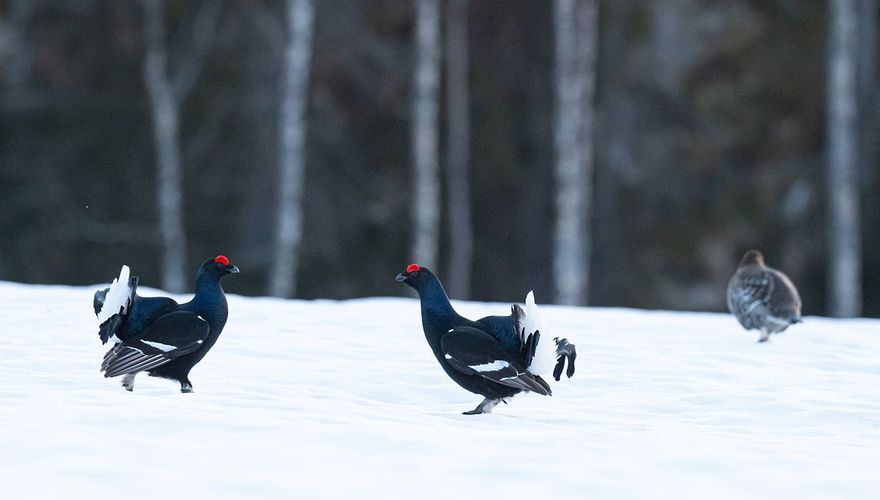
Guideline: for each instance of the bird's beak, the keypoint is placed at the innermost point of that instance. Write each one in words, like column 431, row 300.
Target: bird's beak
column 233, row 270
column 401, row 277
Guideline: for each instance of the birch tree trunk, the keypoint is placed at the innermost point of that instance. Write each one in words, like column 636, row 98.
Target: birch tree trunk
column 166, row 124
column 458, row 204
column 426, row 199
column 167, row 88
column 844, row 273
column 291, row 158
column 576, row 31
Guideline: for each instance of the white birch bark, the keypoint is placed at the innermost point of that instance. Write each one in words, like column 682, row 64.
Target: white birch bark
column 458, row 201
column 845, row 259
column 576, row 35
column 426, row 197
column 166, row 124
column 291, row 159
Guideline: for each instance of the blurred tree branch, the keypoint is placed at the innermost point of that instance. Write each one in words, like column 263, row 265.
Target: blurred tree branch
column 204, row 31
column 267, row 24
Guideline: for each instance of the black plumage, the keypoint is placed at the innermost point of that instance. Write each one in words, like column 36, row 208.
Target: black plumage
column 491, row 356
column 762, row 298
column 159, row 336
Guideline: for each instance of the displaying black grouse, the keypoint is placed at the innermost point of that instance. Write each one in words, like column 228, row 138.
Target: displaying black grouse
column 156, row 334
column 496, row 356
column 762, row 298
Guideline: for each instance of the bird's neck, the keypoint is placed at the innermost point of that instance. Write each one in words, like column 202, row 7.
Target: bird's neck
column 438, row 316
column 209, row 300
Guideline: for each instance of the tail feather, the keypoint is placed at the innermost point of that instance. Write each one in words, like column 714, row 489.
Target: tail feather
column 113, row 304
column 565, row 351
column 544, row 384
column 543, row 357
column 541, row 354
column 530, row 346
column 519, row 316
column 115, row 300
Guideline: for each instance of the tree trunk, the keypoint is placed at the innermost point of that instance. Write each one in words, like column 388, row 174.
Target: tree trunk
column 576, row 32
column 18, row 68
column 458, row 150
column 291, row 158
column 869, row 108
column 166, row 124
column 844, row 278
column 426, row 198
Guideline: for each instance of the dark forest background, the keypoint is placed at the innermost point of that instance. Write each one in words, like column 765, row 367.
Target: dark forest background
column 710, row 138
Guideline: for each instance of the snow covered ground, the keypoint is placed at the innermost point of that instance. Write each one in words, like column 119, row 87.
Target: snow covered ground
column 344, row 400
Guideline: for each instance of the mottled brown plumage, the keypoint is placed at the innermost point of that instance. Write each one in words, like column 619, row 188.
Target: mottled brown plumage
column 762, row 298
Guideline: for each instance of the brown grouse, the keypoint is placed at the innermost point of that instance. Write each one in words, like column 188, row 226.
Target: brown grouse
column 762, row 298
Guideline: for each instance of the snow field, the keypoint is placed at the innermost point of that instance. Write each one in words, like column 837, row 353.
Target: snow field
column 326, row 399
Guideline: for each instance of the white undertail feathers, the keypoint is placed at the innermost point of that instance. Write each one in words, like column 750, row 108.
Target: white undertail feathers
column 117, row 297
column 545, row 352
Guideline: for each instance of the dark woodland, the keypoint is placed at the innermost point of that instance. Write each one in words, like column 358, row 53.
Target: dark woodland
column 710, row 136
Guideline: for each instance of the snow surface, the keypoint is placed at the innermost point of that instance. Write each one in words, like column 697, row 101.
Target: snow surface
column 330, row 399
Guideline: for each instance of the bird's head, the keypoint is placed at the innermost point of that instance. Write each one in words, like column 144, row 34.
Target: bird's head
column 218, row 267
column 752, row 257
column 416, row 276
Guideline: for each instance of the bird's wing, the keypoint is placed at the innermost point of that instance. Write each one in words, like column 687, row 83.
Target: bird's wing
column 784, row 301
column 503, row 329
column 475, row 352
column 172, row 335
column 145, row 311
column 749, row 296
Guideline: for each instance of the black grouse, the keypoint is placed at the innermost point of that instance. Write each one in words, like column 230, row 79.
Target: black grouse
column 156, row 334
column 762, row 298
column 496, row 356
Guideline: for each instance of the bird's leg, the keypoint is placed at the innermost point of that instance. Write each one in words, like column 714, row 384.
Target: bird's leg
column 484, row 407
column 186, row 386
column 128, row 381
column 765, row 335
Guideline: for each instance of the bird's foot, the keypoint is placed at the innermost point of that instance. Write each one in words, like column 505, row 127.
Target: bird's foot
column 128, row 382
column 186, row 388
column 484, row 407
